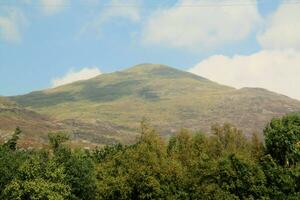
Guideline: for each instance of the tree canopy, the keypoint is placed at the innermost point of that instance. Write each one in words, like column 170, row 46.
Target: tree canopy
column 188, row 165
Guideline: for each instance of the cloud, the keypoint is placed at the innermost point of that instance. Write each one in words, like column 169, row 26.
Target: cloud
column 282, row 28
column 275, row 70
column 128, row 9
column 195, row 24
column 117, row 9
column 12, row 25
column 72, row 76
column 51, row 7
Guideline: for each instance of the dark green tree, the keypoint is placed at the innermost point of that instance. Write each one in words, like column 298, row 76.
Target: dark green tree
column 282, row 139
column 10, row 161
column 80, row 174
column 12, row 143
column 57, row 139
column 242, row 178
column 280, row 181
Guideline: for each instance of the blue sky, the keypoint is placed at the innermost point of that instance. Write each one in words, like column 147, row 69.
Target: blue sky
column 43, row 40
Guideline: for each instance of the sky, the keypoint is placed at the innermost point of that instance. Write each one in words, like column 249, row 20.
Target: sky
column 241, row 43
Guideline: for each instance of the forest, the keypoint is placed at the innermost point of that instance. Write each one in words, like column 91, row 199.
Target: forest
column 190, row 165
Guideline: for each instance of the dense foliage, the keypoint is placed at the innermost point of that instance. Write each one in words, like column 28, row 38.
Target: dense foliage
column 225, row 165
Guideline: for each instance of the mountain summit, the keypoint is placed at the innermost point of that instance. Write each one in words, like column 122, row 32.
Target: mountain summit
column 169, row 98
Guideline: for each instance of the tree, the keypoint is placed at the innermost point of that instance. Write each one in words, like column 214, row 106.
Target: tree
column 10, row 161
column 56, row 140
column 12, row 143
column 281, row 182
column 180, row 146
column 79, row 167
column 227, row 140
column 80, row 173
column 257, row 147
column 242, row 178
column 282, row 139
column 141, row 171
column 38, row 178
column 100, row 154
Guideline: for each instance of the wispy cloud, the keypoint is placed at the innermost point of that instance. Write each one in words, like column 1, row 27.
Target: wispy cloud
column 72, row 76
column 12, row 24
column 117, row 9
column 13, row 20
column 51, row 7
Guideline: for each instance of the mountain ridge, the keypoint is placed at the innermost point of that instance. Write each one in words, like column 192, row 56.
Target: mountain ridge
column 169, row 98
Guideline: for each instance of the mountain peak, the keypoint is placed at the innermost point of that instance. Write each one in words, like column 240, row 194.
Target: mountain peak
column 160, row 71
column 147, row 67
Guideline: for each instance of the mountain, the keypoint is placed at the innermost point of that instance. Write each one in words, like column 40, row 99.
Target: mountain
column 112, row 105
column 36, row 126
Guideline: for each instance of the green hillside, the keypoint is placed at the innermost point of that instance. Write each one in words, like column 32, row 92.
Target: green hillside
column 169, row 98
column 36, row 126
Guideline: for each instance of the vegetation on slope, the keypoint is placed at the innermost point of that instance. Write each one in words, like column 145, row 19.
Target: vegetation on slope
column 35, row 127
column 169, row 98
column 225, row 165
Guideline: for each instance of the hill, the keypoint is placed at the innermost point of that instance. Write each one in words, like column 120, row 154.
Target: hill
column 36, row 126
column 169, row 98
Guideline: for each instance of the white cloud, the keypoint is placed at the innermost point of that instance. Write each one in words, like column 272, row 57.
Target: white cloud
column 117, row 9
column 51, row 7
column 12, row 25
column 72, row 76
column 282, row 28
column 275, row 70
column 195, row 24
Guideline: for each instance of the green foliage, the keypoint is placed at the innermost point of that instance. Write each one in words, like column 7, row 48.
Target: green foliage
column 35, row 189
column 257, row 147
column 226, row 165
column 106, row 152
column 242, row 178
column 80, row 172
column 141, row 171
column 38, row 178
column 9, row 164
column 283, row 139
column 229, row 139
column 283, row 183
column 57, row 139
column 12, row 143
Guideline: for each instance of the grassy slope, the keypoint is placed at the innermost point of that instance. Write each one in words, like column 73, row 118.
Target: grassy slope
column 32, row 123
column 168, row 98
column 36, row 126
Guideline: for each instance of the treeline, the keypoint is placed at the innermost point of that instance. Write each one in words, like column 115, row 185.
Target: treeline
column 225, row 165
